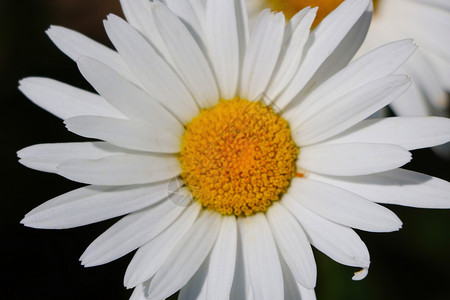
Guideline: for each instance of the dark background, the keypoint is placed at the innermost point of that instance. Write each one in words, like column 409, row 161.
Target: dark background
column 413, row 263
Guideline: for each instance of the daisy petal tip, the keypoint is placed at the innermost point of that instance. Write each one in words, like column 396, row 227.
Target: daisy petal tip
column 88, row 264
column 51, row 30
column 24, row 221
column 21, row 83
column 361, row 274
column 396, row 224
column 25, row 162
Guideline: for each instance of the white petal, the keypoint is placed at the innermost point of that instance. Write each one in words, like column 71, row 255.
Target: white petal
column 151, row 256
column 128, row 134
column 222, row 261
column 159, row 79
column 292, row 289
column 65, row 101
column 121, row 169
column 139, row 15
column 343, row 207
column 374, row 65
column 411, row 104
column 410, row 133
column 307, row 294
column 444, row 4
column 398, row 186
column 187, row 56
column 138, row 293
column 295, row 38
column 432, row 19
column 45, row 157
column 187, row 12
column 426, row 79
column 197, row 285
column 323, row 40
column 293, row 245
column 262, row 54
column 94, row 204
column 131, row 232
column 225, row 34
column 75, row 45
column 261, row 258
column 187, row 256
column 124, row 95
column 361, row 274
column 241, row 289
column 340, row 114
column 443, row 151
column 442, row 68
column 340, row 243
column 352, row 159
column 344, row 52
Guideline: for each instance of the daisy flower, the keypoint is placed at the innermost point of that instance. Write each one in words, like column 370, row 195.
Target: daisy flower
column 230, row 152
column 427, row 21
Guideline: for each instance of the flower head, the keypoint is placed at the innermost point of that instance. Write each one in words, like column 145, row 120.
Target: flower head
column 229, row 152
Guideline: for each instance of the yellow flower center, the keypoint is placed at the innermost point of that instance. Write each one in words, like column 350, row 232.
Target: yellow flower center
column 291, row 7
column 237, row 157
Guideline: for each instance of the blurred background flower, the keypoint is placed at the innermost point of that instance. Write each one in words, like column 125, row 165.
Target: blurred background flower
column 43, row 264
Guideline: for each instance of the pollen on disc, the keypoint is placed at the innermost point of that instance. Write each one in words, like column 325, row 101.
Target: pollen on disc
column 238, row 157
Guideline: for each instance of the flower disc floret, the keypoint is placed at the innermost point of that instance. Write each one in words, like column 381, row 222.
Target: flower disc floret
column 238, row 157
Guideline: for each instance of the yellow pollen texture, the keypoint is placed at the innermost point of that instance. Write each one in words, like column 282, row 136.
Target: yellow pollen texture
column 238, row 157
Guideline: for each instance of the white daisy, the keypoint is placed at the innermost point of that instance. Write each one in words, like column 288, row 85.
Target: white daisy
column 261, row 180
